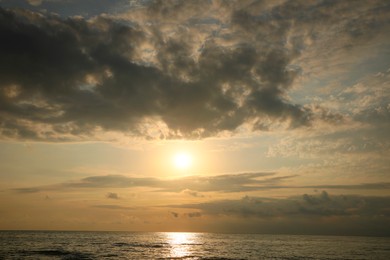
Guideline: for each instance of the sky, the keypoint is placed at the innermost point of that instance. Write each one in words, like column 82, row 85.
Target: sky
column 202, row 116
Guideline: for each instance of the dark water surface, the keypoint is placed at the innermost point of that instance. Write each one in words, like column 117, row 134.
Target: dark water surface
column 127, row 245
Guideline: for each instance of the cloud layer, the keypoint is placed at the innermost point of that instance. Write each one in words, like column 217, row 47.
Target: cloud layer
column 307, row 205
column 195, row 185
column 168, row 70
column 320, row 213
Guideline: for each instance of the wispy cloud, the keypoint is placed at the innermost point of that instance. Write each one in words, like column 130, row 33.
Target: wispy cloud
column 113, row 207
column 196, row 185
column 192, row 193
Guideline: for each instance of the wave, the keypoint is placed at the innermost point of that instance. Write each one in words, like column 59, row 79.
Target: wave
column 97, row 245
column 201, row 258
column 64, row 254
column 154, row 245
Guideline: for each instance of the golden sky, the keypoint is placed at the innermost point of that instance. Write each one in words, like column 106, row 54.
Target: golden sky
column 212, row 116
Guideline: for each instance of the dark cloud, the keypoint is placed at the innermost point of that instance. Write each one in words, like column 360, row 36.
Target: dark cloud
column 322, row 204
column 311, row 214
column 187, row 215
column 112, row 195
column 174, row 214
column 194, row 214
column 149, row 74
column 86, row 8
column 64, row 79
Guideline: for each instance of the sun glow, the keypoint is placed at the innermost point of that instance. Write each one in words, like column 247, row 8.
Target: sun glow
column 182, row 243
column 182, row 160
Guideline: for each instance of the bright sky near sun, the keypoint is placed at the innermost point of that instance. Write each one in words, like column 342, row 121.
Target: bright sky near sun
column 217, row 116
column 182, row 160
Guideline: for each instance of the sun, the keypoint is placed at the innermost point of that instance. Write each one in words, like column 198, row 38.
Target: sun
column 182, row 160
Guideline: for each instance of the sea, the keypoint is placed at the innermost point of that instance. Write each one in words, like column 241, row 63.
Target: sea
column 169, row 245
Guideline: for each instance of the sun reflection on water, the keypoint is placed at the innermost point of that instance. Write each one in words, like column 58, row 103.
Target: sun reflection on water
column 181, row 243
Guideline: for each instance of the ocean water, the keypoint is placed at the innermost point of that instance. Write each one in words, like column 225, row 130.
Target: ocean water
column 128, row 245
